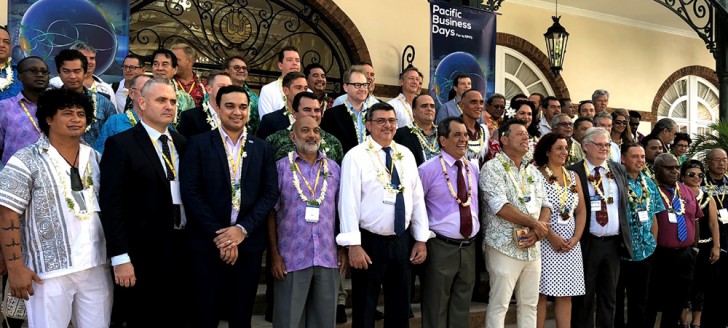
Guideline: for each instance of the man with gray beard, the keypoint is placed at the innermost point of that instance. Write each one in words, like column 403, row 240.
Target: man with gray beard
column 307, row 278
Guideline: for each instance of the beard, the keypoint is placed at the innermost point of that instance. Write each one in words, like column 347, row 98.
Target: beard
column 303, row 146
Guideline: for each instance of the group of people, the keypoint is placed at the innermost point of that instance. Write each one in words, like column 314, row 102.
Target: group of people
column 152, row 201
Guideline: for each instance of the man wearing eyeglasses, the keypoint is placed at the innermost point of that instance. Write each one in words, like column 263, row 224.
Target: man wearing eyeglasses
column 164, row 65
column 382, row 209
column 346, row 121
column 132, row 67
column 495, row 106
column 674, row 258
column 606, row 235
column 551, row 106
column 238, row 71
column 18, row 124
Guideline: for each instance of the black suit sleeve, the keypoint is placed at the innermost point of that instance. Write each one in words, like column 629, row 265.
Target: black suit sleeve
column 268, row 196
column 197, row 205
column 186, row 124
column 265, row 128
column 111, row 194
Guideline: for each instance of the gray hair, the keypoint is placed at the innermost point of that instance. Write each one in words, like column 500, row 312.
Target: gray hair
column 155, row 80
column 662, row 124
column 598, row 93
column 134, row 80
column 662, row 157
column 80, row 45
column 602, row 116
column 189, row 52
column 557, row 118
column 593, row 132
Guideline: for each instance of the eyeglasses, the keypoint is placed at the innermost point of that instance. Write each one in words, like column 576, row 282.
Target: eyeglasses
column 616, row 122
column 719, row 160
column 359, row 85
column 239, row 68
column 670, row 167
column 382, row 121
column 35, row 71
column 563, row 124
column 693, row 174
column 601, row 145
column 130, row 67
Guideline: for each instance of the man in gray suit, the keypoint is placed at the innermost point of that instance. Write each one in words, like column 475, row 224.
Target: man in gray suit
column 606, row 235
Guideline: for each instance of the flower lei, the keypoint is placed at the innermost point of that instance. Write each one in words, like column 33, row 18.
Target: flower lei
column 233, row 166
column 479, row 143
column 434, row 147
column 595, row 183
column 208, row 113
column 449, row 184
column 563, row 191
column 291, row 119
column 96, row 107
column 359, row 136
column 297, row 183
column 510, row 112
column 524, row 188
column 397, row 156
column 644, row 199
column 130, row 115
column 81, row 215
column 404, row 103
column 669, row 202
column 6, row 81
column 702, row 199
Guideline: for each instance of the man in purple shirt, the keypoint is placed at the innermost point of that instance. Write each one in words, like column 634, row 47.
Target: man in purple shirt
column 450, row 183
column 674, row 258
column 18, row 124
column 305, row 235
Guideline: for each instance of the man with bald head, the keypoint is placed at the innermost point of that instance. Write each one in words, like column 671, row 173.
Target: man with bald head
column 204, row 118
column 124, row 121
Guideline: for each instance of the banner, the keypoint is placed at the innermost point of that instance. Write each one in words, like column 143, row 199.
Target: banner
column 45, row 27
column 462, row 42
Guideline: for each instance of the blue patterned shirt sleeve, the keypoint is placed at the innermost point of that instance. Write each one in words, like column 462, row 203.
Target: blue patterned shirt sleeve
column 115, row 124
column 104, row 110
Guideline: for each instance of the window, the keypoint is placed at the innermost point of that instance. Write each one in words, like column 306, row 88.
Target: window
column 515, row 74
column 692, row 102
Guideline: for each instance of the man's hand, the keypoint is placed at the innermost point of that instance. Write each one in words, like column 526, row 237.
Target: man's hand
column 342, row 260
column 419, row 253
column 21, row 281
column 229, row 255
column 229, row 237
column 358, row 258
column 714, row 254
column 124, row 275
column 278, row 266
column 541, row 229
column 530, row 239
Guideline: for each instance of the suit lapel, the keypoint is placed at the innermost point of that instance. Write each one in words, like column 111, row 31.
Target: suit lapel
column 145, row 144
column 219, row 148
column 349, row 125
column 248, row 146
column 418, row 147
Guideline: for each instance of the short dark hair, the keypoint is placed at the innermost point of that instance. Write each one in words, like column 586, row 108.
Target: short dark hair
column 142, row 63
column 282, row 53
column 544, row 146
column 443, row 129
column 495, row 96
column 230, row 60
column 70, row 55
column 627, row 145
column 540, row 96
column 691, row 164
column 581, row 103
column 505, row 128
column 301, row 95
column 545, row 101
column 211, row 77
column 636, row 114
column 414, row 100
column 21, row 63
column 520, row 95
column 53, row 100
column 290, row 77
column 582, row 120
column 680, row 136
column 167, row 53
column 518, row 103
column 378, row 106
column 452, row 93
column 649, row 138
column 307, row 70
column 229, row 89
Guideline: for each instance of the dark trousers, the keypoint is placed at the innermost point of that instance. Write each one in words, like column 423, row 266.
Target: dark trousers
column 634, row 278
column 601, row 272
column 672, row 276
column 390, row 269
column 716, row 294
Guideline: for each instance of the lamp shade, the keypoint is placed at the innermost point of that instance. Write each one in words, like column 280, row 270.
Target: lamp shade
column 556, row 39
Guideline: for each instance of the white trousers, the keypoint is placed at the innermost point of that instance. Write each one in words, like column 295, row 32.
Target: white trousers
column 506, row 275
column 83, row 298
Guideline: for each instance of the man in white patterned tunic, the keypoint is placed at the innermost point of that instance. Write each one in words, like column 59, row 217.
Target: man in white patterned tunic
column 516, row 215
column 51, row 234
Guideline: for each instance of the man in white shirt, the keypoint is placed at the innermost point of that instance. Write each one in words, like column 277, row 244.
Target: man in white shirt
column 381, row 207
column 410, row 82
column 551, row 106
column 92, row 82
column 132, row 67
column 271, row 94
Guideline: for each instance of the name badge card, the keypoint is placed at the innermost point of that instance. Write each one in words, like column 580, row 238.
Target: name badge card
column 174, row 188
column 644, row 216
column 390, row 197
column 312, row 213
column 596, row 203
column 723, row 215
column 671, row 217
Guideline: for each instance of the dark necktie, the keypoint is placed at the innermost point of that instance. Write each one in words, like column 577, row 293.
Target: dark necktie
column 602, row 217
column 682, row 229
column 399, row 203
column 466, row 217
column 170, row 176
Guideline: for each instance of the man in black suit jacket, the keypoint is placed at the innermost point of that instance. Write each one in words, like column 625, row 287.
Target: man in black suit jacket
column 227, row 217
column 421, row 137
column 204, row 118
column 142, row 214
column 606, row 234
column 293, row 83
column 342, row 121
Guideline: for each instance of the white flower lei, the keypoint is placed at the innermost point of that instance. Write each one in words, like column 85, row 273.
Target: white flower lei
column 81, row 215
column 234, row 168
column 353, row 118
column 449, row 184
column 210, row 120
column 397, row 156
column 130, row 115
column 297, row 183
column 434, row 147
column 6, row 81
column 595, row 184
column 524, row 187
column 93, row 101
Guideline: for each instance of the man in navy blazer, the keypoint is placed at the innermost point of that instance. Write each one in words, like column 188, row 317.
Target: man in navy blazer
column 227, row 217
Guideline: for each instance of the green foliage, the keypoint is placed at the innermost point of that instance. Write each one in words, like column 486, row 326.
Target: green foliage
column 704, row 142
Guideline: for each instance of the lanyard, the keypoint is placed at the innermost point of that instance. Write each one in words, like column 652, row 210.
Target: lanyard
column 169, row 163
column 318, row 175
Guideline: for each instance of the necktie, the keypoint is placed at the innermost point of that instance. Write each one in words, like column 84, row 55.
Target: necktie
column 466, row 217
column 170, row 176
column 602, row 217
column 399, row 202
column 682, row 229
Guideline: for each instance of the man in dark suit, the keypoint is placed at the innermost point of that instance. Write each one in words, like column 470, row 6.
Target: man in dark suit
column 229, row 185
column 293, row 83
column 204, row 118
column 346, row 121
column 143, row 216
column 606, row 235
column 421, row 137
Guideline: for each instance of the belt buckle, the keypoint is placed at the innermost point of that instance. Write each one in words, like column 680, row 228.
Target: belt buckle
column 465, row 242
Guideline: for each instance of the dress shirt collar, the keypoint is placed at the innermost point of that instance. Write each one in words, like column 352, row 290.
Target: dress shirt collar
column 449, row 159
column 21, row 97
column 153, row 133
column 350, row 105
column 376, row 146
column 230, row 140
column 591, row 166
column 297, row 157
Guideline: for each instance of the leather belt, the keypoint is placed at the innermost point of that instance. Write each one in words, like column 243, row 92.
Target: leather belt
column 457, row 242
